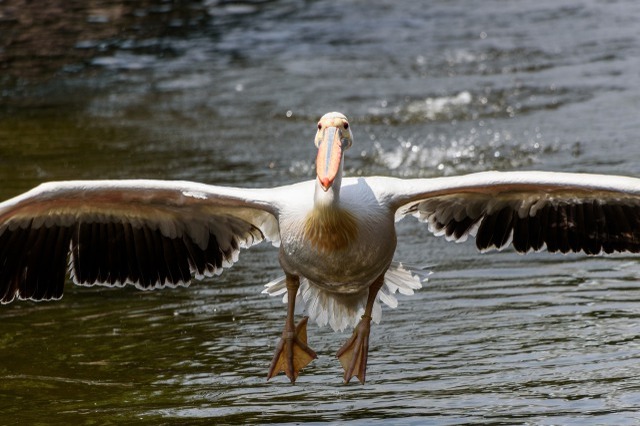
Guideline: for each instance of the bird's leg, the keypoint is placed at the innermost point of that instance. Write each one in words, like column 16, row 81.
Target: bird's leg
column 354, row 353
column 292, row 353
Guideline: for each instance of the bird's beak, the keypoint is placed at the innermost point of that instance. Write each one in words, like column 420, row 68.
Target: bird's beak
column 329, row 157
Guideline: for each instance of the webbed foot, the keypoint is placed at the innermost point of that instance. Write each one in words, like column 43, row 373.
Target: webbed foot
column 292, row 353
column 354, row 353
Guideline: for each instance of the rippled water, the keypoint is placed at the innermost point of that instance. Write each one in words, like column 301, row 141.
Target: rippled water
column 228, row 93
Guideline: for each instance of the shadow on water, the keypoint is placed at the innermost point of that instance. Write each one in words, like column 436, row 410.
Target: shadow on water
column 227, row 93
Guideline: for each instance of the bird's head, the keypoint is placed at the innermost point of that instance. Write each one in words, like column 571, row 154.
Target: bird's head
column 333, row 138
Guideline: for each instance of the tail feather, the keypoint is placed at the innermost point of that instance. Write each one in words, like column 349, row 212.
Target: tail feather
column 325, row 309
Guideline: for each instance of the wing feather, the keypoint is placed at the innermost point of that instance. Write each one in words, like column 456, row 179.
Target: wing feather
column 531, row 211
column 151, row 234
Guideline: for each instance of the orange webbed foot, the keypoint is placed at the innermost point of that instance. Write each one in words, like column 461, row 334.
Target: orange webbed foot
column 292, row 353
column 354, row 353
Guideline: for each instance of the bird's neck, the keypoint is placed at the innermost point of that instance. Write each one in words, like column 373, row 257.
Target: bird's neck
column 329, row 227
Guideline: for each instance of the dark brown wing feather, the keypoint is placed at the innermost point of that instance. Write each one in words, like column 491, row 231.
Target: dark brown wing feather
column 573, row 222
column 33, row 260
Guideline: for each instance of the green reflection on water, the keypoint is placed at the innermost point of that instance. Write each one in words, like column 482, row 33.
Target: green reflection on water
column 56, row 143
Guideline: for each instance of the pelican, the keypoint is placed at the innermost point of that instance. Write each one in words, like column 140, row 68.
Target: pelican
column 336, row 235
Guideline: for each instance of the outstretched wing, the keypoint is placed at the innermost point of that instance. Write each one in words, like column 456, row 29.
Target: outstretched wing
column 147, row 233
column 562, row 212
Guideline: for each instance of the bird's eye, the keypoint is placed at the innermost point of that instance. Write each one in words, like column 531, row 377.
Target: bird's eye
column 346, row 126
column 319, row 126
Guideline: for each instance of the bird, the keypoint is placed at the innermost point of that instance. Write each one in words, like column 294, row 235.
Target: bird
column 336, row 235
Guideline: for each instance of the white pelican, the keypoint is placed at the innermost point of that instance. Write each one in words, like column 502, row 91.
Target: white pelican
column 336, row 235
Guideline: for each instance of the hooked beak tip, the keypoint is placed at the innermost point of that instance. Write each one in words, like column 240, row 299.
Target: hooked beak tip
column 325, row 183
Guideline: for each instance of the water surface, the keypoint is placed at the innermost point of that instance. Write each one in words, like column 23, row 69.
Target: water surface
column 228, row 93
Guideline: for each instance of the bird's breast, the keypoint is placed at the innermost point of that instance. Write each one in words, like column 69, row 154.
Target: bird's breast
column 330, row 230
column 339, row 249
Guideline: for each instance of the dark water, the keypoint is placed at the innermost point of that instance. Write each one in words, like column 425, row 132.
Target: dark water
column 228, row 93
